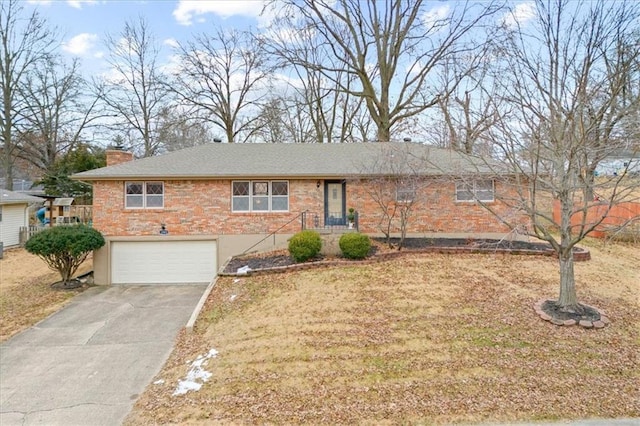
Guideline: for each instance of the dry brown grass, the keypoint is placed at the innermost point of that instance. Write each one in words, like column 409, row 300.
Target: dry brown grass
column 425, row 339
column 25, row 293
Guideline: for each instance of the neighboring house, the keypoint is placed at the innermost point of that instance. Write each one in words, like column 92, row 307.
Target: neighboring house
column 619, row 163
column 177, row 217
column 14, row 214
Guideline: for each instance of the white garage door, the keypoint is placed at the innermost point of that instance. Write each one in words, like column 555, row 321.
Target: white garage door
column 163, row 262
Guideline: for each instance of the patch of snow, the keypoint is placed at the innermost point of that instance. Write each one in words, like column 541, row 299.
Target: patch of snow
column 243, row 270
column 237, row 280
column 159, row 382
column 197, row 375
column 233, row 297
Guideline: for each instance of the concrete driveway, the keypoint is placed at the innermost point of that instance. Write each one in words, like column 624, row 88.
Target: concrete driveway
column 87, row 364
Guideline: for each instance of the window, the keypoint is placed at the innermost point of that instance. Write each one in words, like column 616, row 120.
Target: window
column 405, row 192
column 476, row 190
column 260, row 196
column 0, row 213
column 280, row 196
column 140, row 195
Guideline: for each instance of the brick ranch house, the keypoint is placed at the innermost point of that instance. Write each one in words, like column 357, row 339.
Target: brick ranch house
column 177, row 217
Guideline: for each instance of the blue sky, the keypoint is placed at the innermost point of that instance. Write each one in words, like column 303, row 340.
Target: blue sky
column 84, row 23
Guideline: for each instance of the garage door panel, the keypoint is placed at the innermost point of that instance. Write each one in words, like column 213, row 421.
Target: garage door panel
column 162, row 262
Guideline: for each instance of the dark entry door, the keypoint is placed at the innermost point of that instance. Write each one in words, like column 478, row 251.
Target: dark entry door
column 335, row 203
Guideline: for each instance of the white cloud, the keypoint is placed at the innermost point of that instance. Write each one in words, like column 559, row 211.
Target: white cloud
column 434, row 17
column 78, row 3
column 172, row 66
column 188, row 10
column 171, row 42
column 80, row 44
column 522, row 13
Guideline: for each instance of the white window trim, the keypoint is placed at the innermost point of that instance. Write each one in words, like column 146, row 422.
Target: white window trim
column 475, row 190
column 144, row 195
column 270, row 196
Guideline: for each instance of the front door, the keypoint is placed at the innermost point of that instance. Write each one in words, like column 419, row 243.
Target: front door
column 334, row 203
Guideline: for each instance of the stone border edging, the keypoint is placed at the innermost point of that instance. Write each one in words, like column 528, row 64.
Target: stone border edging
column 580, row 255
column 601, row 323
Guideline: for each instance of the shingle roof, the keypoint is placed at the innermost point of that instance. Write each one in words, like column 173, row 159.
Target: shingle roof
column 10, row 197
column 222, row 160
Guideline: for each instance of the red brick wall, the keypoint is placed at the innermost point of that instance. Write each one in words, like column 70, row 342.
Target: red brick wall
column 197, row 207
column 204, row 207
column 436, row 211
column 115, row 156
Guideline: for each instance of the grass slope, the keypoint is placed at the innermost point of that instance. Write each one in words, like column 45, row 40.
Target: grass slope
column 26, row 296
column 425, row 339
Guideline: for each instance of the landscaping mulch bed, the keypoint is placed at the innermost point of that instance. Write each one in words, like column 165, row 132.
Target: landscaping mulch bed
column 279, row 260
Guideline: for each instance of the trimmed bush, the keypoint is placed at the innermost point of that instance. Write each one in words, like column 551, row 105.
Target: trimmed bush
column 64, row 248
column 355, row 245
column 305, row 245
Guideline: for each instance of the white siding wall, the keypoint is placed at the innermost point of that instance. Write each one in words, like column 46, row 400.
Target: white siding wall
column 13, row 217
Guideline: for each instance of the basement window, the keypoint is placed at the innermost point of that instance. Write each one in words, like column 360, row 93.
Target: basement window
column 141, row 195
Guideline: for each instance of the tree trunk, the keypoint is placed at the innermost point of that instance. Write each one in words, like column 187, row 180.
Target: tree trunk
column 589, row 181
column 384, row 134
column 7, row 164
column 7, row 152
column 568, row 299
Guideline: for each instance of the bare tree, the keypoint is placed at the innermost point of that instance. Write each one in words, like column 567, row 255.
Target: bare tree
column 329, row 109
column 135, row 89
column 392, row 49
column 222, row 78
column 395, row 182
column 564, row 74
column 55, row 114
column 25, row 41
column 471, row 109
column 177, row 130
column 271, row 123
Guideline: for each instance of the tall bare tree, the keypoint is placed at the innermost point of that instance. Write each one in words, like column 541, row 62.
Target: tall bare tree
column 564, row 75
column 222, row 77
column 178, row 131
column 329, row 109
column 472, row 108
column 57, row 110
column 393, row 49
column 135, row 90
column 25, row 41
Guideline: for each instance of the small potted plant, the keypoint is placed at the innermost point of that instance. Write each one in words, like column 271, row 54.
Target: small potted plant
column 351, row 217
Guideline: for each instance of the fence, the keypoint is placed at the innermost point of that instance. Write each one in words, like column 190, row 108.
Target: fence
column 27, row 232
column 620, row 215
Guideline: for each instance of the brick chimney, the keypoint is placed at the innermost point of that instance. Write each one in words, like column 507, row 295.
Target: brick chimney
column 118, row 156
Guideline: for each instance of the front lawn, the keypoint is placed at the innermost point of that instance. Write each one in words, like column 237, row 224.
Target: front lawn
column 421, row 339
column 26, row 296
